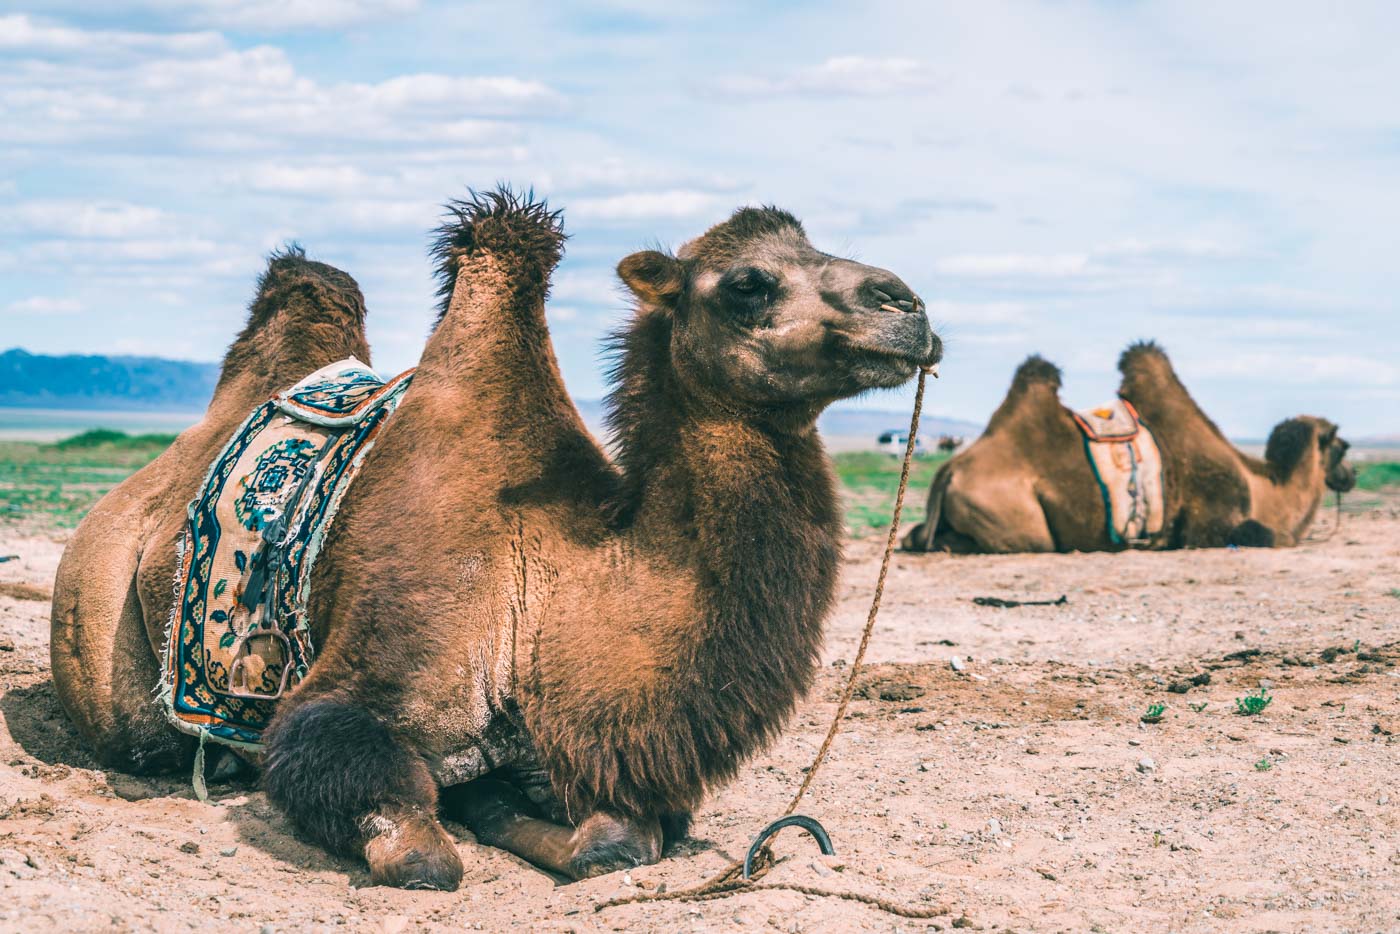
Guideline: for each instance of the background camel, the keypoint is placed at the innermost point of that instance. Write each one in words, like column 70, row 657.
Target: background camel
column 1026, row 485
column 112, row 595
column 602, row 640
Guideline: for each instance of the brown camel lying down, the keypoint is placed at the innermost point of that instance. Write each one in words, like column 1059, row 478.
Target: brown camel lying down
column 1026, row 485
column 577, row 649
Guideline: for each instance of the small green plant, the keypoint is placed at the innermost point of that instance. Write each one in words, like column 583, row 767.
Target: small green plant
column 1263, row 765
column 1198, row 707
column 1251, row 705
column 1154, row 713
column 1393, row 592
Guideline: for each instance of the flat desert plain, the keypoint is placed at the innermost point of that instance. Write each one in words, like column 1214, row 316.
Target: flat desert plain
column 1023, row 792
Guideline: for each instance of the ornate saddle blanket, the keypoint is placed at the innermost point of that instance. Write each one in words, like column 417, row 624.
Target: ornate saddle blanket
column 238, row 637
column 1128, row 467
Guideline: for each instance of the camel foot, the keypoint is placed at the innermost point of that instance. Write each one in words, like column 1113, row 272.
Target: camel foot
column 501, row 816
column 410, row 850
column 675, row 828
column 604, row 843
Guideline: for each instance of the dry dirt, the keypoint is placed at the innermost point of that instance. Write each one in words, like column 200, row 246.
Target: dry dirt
column 1021, row 793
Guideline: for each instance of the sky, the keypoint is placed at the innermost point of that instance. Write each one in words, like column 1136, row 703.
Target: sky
column 1058, row 178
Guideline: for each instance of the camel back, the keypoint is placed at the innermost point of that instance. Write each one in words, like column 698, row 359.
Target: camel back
column 238, row 638
column 1128, row 467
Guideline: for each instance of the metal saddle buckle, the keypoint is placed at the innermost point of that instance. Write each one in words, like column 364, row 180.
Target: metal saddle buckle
column 241, row 656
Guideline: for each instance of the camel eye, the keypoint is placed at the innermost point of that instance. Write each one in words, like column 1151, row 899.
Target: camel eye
column 749, row 281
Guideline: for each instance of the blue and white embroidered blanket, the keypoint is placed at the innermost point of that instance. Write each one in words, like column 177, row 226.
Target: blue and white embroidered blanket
column 238, row 636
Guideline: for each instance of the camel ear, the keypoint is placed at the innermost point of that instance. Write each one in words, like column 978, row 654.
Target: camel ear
column 653, row 277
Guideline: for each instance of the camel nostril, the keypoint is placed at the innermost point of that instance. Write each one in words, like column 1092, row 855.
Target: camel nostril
column 892, row 296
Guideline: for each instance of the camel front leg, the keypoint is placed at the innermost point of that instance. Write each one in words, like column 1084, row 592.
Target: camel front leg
column 500, row 816
column 355, row 788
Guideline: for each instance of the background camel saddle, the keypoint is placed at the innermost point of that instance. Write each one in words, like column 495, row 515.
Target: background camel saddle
column 238, row 637
column 1128, row 467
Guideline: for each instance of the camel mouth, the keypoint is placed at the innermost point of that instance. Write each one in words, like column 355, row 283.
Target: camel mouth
column 1341, row 480
column 888, row 367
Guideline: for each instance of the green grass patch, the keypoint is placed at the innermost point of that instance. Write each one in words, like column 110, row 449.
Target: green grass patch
column 869, row 480
column 1377, row 475
column 58, row 483
column 1252, row 705
column 107, row 439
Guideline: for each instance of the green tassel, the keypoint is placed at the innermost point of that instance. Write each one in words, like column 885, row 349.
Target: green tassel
column 201, row 790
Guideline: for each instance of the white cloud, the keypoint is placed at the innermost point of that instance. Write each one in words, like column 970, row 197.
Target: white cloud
column 590, row 287
column 1015, row 265
column 278, row 15
column 1303, row 367
column 99, row 220
column 45, row 306
column 963, row 312
column 644, row 205
column 117, row 251
column 257, row 16
column 306, row 179
column 21, row 34
column 229, row 99
column 843, row 75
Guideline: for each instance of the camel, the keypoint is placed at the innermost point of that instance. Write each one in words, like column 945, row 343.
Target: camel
column 564, row 651
column 1026, row 486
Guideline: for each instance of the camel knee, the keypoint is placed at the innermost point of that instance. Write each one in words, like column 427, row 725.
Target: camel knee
column 349, row 784
column 1251, row 534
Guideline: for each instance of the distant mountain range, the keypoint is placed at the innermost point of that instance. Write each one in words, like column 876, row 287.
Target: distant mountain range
column 151, row 384
column 94, row 382
column 75, row 381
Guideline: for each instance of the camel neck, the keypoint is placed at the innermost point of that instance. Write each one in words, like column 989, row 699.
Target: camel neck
column 749, row 512
column 1284, row 502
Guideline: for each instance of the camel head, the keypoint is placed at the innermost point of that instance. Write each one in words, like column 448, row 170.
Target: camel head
column 1292, row 441
column 760, row 318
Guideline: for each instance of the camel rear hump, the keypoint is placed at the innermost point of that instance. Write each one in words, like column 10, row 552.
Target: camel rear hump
column 304, row 315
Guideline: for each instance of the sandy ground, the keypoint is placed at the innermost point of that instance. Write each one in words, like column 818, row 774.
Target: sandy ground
column 1021, row 793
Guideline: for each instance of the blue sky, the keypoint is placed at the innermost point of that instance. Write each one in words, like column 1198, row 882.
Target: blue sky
column 1056, row 177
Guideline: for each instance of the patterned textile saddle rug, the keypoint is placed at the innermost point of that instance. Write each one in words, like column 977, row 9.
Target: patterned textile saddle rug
column 238, row 637
column 1128, row 467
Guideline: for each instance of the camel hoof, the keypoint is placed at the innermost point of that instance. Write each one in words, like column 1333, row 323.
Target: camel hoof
column 412, row 852
column 604, row 844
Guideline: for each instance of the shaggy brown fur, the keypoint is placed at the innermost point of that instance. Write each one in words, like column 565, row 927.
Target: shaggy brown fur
column 1026, row 485
column 112, row 595
column 604, row 641
column 628, row 633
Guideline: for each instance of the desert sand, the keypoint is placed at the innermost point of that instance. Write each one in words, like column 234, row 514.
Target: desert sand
column 1022, row 792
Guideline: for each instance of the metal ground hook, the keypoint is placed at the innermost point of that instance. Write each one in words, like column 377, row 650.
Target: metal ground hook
column 808, row 824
